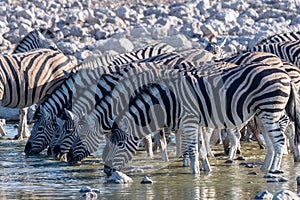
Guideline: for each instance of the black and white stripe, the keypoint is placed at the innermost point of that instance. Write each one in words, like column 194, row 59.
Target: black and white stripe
column 105, row 113
column 78, row 92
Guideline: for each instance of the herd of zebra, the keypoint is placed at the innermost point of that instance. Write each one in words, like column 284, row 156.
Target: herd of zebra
column 124, row 98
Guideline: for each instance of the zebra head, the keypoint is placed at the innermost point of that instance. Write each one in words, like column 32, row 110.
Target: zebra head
column 64, row 140
column 215, row 47
column 41, row 132
column 120, row 149
column 36, row 39
column 56, row 134
column 87, row 141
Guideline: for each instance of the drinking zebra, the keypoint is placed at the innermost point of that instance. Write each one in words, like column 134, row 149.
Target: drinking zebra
column 77, row 92
column 64, row 140
column 36, row 39
column 258, row 88
column 85, row 142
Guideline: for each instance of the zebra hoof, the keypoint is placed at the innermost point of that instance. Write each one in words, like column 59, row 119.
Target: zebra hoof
column 277, row 172
column 229, row 161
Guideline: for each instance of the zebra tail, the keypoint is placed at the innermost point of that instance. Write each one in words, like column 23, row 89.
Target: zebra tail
column 292, row 110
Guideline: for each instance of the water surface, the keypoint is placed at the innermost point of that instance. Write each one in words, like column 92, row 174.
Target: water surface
column 40, row 177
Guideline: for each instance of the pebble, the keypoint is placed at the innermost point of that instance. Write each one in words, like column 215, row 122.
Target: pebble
column 119, row 178
column 264, row 195
column 146, row 180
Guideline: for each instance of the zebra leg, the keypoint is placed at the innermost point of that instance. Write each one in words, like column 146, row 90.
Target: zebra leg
column 179, row 153
column 293, row 145
column 215, row 138
column 207, row 134
column 202, row 148
column 178, row 143
column 190, row 139
column 234, row 137
column 2, row 123
column 148, row 145
column 251, row 126
column 163, row 145
column 22, row 129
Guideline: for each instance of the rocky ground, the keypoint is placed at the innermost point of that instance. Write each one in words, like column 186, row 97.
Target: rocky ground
column 90, row 27
column 93, row 26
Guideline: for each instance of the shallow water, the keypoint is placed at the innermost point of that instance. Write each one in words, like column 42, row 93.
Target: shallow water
column 39, row 177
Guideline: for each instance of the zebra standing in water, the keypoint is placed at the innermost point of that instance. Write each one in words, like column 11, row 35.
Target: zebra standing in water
column 36, row 39
column 184, row 60
column 77, row 92
column 64, row 141
column 87, row 140
column 195, row 95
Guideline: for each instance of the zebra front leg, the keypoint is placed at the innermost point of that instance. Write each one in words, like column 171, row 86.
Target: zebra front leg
column 190, row 139
column 202, row 148
column 2, row 131
column 234, row 137
column 148, row 145
column 207, row 134
column 22, row 129
column 161, row 137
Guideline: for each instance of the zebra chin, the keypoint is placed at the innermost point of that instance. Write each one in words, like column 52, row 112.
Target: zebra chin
column 30, row 150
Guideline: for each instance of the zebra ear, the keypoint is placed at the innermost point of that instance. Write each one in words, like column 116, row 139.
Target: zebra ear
column 212, row 38
column 223, row 41
column 68, row 114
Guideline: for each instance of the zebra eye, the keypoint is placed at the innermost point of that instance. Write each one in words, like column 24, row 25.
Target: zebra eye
column 121, row 143
column 40, row 129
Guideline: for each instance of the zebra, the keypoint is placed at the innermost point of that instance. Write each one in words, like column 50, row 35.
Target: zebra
column 180, row 63
column 80, row 149
column 81, row 84
column 270, row 59
column 27, row 78
column 195, row 56
column 251, row 84
column 38, row 38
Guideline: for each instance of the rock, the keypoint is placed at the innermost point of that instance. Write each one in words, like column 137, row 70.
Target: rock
column 263, row 195
column 285, row 195
column 178, row 41
column 85, row 189
column 119, row 178
column 121, row 45
column 90, row 195
column 146, row 180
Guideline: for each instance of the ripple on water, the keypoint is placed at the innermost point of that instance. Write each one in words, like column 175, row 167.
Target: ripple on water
column 39, row 177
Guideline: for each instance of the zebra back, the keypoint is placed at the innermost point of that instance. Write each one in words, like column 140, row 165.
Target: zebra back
column 288, row 51
column 279, row 38
column 27, row 78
